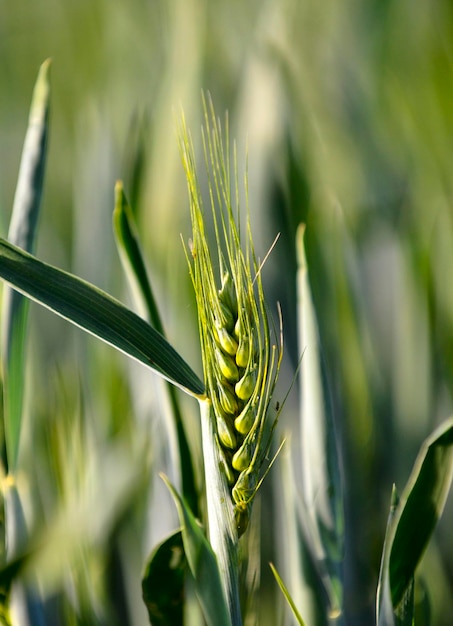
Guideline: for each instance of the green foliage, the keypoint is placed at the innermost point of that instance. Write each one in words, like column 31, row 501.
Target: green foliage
column 22, row 232
column 347, row 117
column 287, row 595
column 203, row 566
column 128, row 244
column 412, row 521
column 97, row 313
column 129, row 249
column 322, row 491
column 163, row 582
column 423, row 500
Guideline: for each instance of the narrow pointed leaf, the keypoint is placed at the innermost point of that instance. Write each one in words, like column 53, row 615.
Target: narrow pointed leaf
column 163, row 582
column 22, row 232
column 96, row 312
column 384, row 606
column 307, row 590
column 203, row 565
column 411, row 522
column 29, row 188
column 322, row 489
column 129, row 249
column 420, row 508
column 135, row 157
column 287, row 595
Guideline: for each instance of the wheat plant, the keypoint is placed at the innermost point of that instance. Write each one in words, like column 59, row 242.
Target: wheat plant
column 198, row 573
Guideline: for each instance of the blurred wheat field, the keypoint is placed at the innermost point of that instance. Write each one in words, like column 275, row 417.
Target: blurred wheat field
column 346, row 113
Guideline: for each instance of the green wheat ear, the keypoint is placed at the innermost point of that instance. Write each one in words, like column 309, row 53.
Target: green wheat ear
column 241, row 356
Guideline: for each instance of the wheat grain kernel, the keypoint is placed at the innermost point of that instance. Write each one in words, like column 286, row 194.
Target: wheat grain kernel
column 244, row 422
column 227, row 399
column 225, row 432
column 226, row 341
column 244, row 388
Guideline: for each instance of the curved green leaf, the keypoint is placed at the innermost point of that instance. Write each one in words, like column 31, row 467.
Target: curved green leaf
column 129, row 249
column 163, row 582
column 203, row 565
column 411, row 522
column 96, row 312
column 420, row 507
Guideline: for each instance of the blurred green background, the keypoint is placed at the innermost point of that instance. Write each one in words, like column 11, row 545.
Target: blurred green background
column 346, row 109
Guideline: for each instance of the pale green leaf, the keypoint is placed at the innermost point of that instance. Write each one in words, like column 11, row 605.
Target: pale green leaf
column 287, row 595
column 321, row 482
column 384, row 607
column 22, row 232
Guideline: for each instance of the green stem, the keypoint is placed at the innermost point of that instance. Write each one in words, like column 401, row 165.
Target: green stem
column 222, row 529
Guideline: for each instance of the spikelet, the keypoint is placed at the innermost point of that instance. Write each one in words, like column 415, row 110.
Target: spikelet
column 227, row 343
column 241, row 356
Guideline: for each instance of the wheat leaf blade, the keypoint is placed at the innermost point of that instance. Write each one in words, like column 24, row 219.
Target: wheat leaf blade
column 163, row 582
column 322, row 489
column 384, row 607
column 22, row 232
column 203, row 565
column 96, row 312
column 129, row 249
column 420, row 508
column 287, row 595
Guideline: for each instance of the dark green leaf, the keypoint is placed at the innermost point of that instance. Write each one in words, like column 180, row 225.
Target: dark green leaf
column 404, row 612
column 419, row 509
column 163, row 582
column 96, row 312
